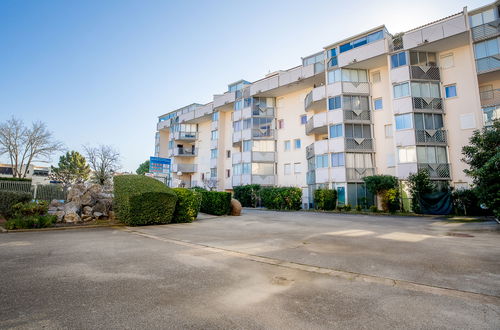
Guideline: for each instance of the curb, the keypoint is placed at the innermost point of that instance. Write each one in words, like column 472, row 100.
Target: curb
column 3, row 230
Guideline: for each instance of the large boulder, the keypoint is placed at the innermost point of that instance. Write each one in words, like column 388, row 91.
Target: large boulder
column 87, row 198
column 87, row 210
column 72, row 207
column 54, row 204
column 75, row 192
column 103, row 206
column 72, row 218
column 235, row 207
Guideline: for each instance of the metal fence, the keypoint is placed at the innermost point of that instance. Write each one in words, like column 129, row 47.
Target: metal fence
column 46, row 192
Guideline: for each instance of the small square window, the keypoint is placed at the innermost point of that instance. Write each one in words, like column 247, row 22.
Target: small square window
column 228, row 153
column 303, row 119
column 376, row 77
column 297, row 143
column 297, row 168
column 287, row 145
column 388, row 131
column 377, row 103
column 447, row 61
column 450, row 91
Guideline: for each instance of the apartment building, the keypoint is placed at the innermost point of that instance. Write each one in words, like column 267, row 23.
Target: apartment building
column 38, row 174
column 373, row 103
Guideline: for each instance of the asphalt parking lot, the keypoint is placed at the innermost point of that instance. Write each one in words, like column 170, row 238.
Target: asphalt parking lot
column 263, row 270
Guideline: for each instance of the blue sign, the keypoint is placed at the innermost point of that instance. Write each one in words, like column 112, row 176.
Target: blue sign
column 159, row 165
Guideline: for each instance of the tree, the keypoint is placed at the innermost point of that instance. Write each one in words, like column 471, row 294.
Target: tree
column 143, row 168
column 384, row 186
column 210, row 183
column 483, row 157
column 72, row 168
column 104, row 162
column 419, row 184
column 25, row 145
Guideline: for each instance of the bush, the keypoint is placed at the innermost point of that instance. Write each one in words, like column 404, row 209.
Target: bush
column 15, row 179
column 141, row 200
column 34, row 221
column 325, row 199
column 359, row 208
column 248, row 195
column 283, row 198
column 466, row 202
column 347, row 207
column 390, row 200
column 340, row 208
column 10, row 198
column 187, row 206
column 384, row 186
column 30, row 208
column 419, row 184
column 215, row 202
column 373, row 208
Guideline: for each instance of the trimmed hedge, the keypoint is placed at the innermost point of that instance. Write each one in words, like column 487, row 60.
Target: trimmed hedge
column 282, row 198
column 187, row 206
column 34, row 221
column 325, row 199
column 10, row 198
column 215, row 202
column 141, row 200
column 248, row 195
column 14, row 179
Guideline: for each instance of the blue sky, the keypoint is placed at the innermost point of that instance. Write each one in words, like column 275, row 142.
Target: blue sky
column 101, row 72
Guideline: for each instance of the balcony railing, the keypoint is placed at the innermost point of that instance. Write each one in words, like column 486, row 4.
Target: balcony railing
column 258, row 110
column 359, row 144
column 266, row 133
column 357, row 174
column 488, row 64
column 436, row 171
column 186, row 152
column 485, row 31
column 430, row 136
column 357, row 115
column 425, row 72
column 308, row 100
column 310, row 151
column 490, row 114
column 427, row 103
column 186, row 136
column 185, row 168
column 355, row 87
column 490, row 98
column 317, row 124
column 311, row 177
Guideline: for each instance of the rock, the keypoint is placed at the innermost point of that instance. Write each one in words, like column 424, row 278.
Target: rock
column 55, row 204
column 71, row 207
column 75, row 192
column 97, row 215
column 87, row 198
column 235, row 207
column 87, row 210
column 60, row 216
column 86, row 217
column 103, row 206
column 72, row 218
column 111, row 215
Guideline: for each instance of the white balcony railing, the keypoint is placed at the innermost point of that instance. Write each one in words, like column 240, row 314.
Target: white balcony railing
column 490, row 98
column 355, row 87
column 357, row 174
column 487, row 64
column 185, row 168
column 430, row 136
column 486, row 31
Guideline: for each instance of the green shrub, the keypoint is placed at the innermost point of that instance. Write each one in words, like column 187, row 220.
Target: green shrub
column 373, row 208
column 325, row 199
column 466, row 202
column 340, row 208
column 15, row 179
column 347, row 207
column 390, row 200
column 30, row 208
column 282, row 198
column 384, row 186
column 359, row 208
column 9, row 199
column 141, row 200
column 215, row 202
column 248, row 195
column 34, row 221
column 187, row 206
column 419, row 184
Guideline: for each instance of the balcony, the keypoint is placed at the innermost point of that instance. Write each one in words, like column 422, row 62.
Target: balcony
column 357, row 116
column 490, row 98
column 424, row 72
column 241, row 180
column 357, row 174
column 260, row 111
column 486, row 31
column 365, row 52
column 264, row 180
column 263, row 157
column 315, row 99
column 349, row 87
column 185, row 136
column 430, row 136
column 263, row 133
column 317, row 124
column 163, row 124
column 436, row 171
column 490, row 114
column 427, row 103
column 358, row 144
column 185, row 152
column 224, row 99
column 310, row 151
column 184, row 168
column 488, row 64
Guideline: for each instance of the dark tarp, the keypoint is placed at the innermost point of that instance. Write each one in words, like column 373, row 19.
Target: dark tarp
column 436, row 203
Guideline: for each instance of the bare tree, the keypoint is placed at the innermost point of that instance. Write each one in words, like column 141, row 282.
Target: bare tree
column 104, row 162
column 25, row 145
column 211, row 183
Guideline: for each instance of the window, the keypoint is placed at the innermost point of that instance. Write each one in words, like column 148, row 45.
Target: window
column 450, row 91
column 228, row 173
column 262, row 169
column 247, row 102
column 403, row 121
column 483, row 18
column 332, row 58
column 237, row 169
column 288, row 145
column 428, row 121
column 297, row 143
column 247, row 145
column 401, row 90
column 376, row 77
column 281, row 124
column 338, row 159
column 390, row 160
column 215, row 135
column 237, row 126
column 334, row 103
column 431, row 155
column 398, row 60
column 215, row 116
column 486, row 48
column 407, row 155
column 213, row 172
column 388, row 131
column 171, row 144
column 357, row 131
column 336, row 131
column 297, row 168
column 245, row 168
column 355, row 102
column 358, row 160
column 377, row 104
column 238, row 105
column 303, row 119
column 362, row 41
column 425, row 89
column 347, row 75
column 341, row 195
column 467, row 121
column 322, row 161
column 423, row 58
column 228, row 153
column 446, row 61
column 213, row 153
column 288, row 169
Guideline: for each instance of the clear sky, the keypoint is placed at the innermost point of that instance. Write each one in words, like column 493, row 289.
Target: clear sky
column 102, row 71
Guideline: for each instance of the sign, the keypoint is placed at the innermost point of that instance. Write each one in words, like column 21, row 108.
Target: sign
column 159, row 165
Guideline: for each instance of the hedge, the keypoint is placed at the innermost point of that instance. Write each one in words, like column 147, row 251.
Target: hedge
column 10, row 198
column 325, row 199
column 282, row 198
column 14, row 179
column 215, row 202
column 187, row 206
column 248, row 195
column 34, row 221
column 141, row 200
